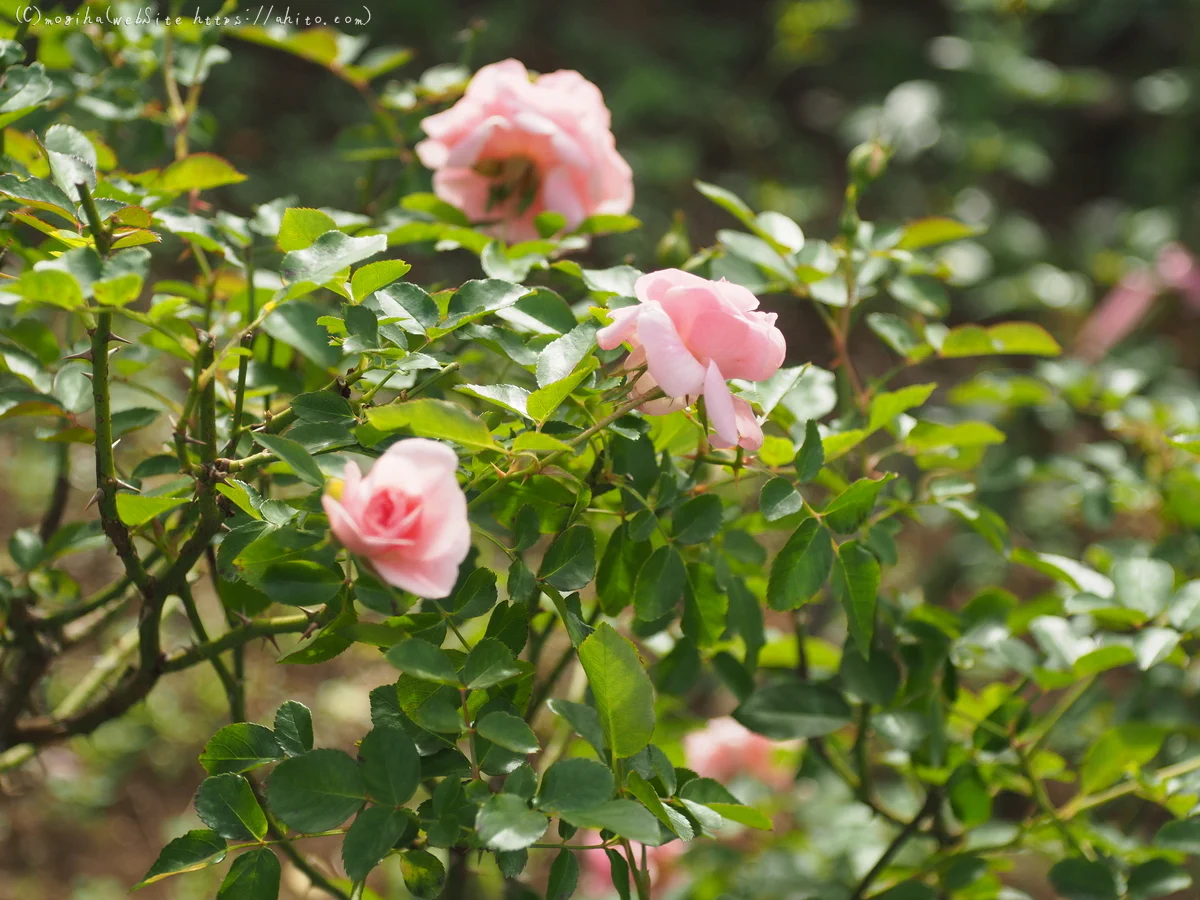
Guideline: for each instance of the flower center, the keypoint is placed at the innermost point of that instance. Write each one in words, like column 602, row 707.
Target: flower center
column 514, row 179
column 391, row 513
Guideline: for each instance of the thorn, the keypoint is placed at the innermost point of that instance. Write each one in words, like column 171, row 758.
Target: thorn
column 87, row 375
column 117, row 441
column 83, row 354
column 119, row 339
column 193, row 440
column 128, row 486
column 95, row 499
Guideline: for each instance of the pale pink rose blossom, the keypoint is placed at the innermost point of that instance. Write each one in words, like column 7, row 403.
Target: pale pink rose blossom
column 693, row 335
column 513, row 147
column 407, row 518
column 724, row 749
column 595, row 876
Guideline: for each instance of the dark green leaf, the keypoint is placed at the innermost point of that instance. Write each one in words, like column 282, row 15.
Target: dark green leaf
column 317, row 791
column 852, row 507
column 575, row 784
column 858, row 573
column 197, row 849
column 779, row 498
column 423, row 660
column 801, row 567
column 239, row 748
column 371, row 838
column 423, row 873
column 1081, row 879
column 564, row 876
column 226, row 804
column 391, row 766
column 294, row 728
column 786, row 710
column 508, row 731
column 699, row 519
column 253, row 876
column 660, row 584
column 570, row 562
column 504, row 822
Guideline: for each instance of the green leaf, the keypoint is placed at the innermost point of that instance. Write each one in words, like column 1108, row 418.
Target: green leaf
column 1182, row 835
column 1157, row 878
column 811, row 456
column 504, row 822
column 575, row 784
column 544, row 401
column 371, row 837
column 933, row 230
column 294, row 728
column 295, row 324
column 423, row 660
column 373, row 276
column 1023, row 338
column 897, row 334
column 698, row 520
column 728, row 201
column 1144, row 584
column 196, row 850
column 300, row 582
column 329, row 254
column 660, row 584
column 559, row 358
column 226, row 804
column 40, row 194
column 623, row 693
column 847, row 511
column 788, row 709
column 583, row 719
column 300, row 227
column 198, row 172
column 1081, row 879
column 297, row 458
column 1153, row 645
column 858, row 575
column 969, row 797
column 624, row 818
column 875, row 680
column 1119, row 751
column 489, row 663
column 135, row 510
column 316, row 791
column 323, row 408
column 253, row 876
column 508, row 731
column 391, row 766
column 429, row 418
column 923, row 295
column 889, row 404
column 50, row 286
column 614, row 280
column 476, row 299
column 423, row 873
column 743, row 815
column 507, row 396
column 564, row 876
column 239, row 748
column 779, row 499
column 801, row 567
column 570, row 561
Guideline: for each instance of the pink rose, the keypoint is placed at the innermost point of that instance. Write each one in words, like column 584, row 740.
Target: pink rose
column 513, row 147
column 724, row 749
column 692, row 334
column 407, row 518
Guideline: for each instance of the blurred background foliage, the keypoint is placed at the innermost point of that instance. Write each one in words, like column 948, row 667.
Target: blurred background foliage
column 1063, row 129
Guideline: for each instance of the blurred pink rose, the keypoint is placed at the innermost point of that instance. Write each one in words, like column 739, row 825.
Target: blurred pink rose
column 692, row 335
column 1125, row 307
column 407, row 518
column 595, row 875
column 513, row 147
column 724, row 749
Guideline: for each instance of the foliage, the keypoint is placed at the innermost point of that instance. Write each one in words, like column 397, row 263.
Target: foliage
column 972, row 723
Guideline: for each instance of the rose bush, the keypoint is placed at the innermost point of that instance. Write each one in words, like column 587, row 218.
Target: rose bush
column 568, row 580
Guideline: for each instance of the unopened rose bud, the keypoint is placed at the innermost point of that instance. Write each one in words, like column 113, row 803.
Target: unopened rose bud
column 867, row 162
column 674, row 248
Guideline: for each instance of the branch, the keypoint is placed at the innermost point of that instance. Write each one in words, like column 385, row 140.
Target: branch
column 932, row 799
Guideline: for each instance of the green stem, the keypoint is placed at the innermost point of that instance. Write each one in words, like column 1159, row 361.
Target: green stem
column 906, row 833
column 235, row 637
